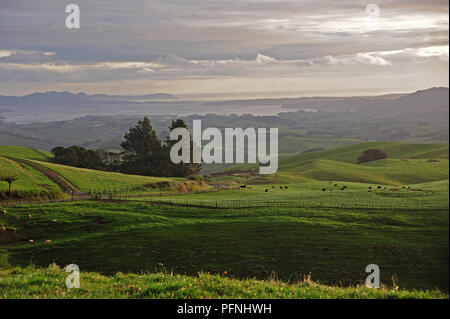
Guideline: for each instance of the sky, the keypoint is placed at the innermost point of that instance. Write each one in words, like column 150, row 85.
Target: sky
column 245, row 48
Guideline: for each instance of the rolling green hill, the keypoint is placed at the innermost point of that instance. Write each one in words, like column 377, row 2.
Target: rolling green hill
column 405, row 164
column 321, row 214
column 88, row 179
column 39, row 179
column 25, row 152
column 350, row 154
column 385, row 172
column 31, row 183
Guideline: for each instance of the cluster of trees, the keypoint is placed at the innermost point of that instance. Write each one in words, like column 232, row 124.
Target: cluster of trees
column 79, row 157
column 143, row 154
column 371, row 155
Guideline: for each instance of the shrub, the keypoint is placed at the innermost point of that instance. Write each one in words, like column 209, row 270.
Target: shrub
column 371, row 155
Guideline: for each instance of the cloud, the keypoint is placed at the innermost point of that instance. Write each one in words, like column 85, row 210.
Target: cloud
column 171, row 40
column 441, row 52
column 358, row 58
column 264, row 59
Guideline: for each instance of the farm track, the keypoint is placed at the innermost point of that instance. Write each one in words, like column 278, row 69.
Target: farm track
column 64, row 184
column 69, row 188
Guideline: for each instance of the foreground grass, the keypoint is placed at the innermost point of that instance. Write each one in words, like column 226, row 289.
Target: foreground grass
column 34, row 283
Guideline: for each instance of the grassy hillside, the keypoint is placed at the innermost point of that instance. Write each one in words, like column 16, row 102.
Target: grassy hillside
column 92, row 180
column 321, row 215
column 88, row 179
column 31, row 183
column 333, row 245
column 405, row 164
column 25, row 152
column 385, row 172
column 350, row 154
column 34, row 283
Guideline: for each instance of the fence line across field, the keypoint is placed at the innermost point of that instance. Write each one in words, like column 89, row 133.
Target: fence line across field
column 238, row 204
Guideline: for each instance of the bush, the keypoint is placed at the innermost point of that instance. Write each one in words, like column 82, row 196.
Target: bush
column 371, row 155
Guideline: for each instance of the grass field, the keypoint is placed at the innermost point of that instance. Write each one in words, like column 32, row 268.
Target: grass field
column 334, row 246
column 321, row 216
column 432, row 195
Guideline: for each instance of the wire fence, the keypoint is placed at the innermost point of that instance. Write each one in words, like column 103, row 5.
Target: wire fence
column 242, row 204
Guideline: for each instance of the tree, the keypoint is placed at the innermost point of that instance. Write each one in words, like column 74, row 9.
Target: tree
column 78, row 156
column 181, row 169
column 9, row 178
column 143, row 153
column 371, row 155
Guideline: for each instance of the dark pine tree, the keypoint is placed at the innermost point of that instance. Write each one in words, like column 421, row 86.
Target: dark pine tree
column 143, row 152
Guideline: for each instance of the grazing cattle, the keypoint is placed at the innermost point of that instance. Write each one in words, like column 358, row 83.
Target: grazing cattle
column 335, row 185
column 267, row 190
column 4, row 212
column 31, row 241
column 243, row 186
column 370, row 187
column 285, row 187
column 344, row 187
column 379, row 187
column 323, row 189
column 281, row 187
column 273, row 187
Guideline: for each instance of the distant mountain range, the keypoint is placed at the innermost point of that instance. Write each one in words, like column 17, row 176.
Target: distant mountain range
column 430, row 103
column 433, row 101
column 80, row 99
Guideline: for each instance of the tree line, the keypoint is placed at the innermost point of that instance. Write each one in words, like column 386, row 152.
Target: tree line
column 143, row 154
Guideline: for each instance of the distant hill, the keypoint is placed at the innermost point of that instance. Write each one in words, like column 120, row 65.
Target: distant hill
column 79, row 99
column 350, row 153
column 433, row 101
column 405, row 164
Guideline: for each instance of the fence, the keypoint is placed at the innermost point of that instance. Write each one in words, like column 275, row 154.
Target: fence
column 242, row 204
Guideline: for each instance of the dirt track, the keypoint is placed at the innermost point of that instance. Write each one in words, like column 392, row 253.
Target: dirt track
column 65, row 185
